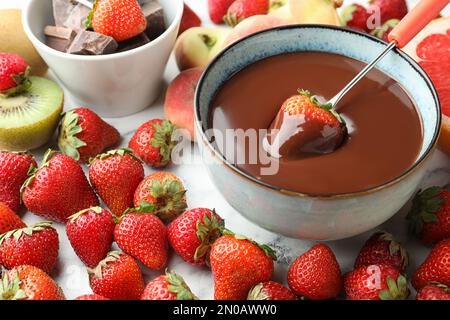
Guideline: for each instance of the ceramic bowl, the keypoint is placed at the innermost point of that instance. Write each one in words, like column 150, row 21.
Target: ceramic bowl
column 113, row 85
column 295, row 214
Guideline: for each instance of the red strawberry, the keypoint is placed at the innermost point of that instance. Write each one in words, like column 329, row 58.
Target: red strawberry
column 430, row 215
column 270, row 290
column 434, row 291
column 144, row 237
column 91, row 297
column 238, row 264
column 376, row 282
column 162, row 193
column 13, row 74
column 115, row 176
column 153, row 143
column 58, row 188
column 83, row 134
column 242, row 9
column 381, row 248
column 218, row 9
column 355, row 16
column 305, row 111
column 120, row 19
column 36, row 246
column 9, row 220
column 29, row 283
column 170, row 286
column 435, row 268
column 117, row 277
column 316, row 274
column 14, row 168
column 192, row 234
column 91, row 233
column 189, row 20
column 389, row 9
column 383, row 31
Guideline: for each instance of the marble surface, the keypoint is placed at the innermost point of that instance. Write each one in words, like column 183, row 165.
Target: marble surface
column 72, row 276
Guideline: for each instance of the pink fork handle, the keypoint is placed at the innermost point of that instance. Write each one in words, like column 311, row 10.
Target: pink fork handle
column 416, row 20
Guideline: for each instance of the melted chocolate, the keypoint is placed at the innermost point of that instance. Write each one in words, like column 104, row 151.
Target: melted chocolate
column 384, row 128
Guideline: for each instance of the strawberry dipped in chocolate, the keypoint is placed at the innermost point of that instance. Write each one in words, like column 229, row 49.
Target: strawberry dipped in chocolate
column 304, row 127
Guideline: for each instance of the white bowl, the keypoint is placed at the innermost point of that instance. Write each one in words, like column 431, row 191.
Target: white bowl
column 113, row 85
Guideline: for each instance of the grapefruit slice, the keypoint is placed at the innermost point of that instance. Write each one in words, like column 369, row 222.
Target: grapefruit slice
column 431, row 49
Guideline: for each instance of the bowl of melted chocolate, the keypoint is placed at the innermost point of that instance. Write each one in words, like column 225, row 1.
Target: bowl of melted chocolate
column 392, row 121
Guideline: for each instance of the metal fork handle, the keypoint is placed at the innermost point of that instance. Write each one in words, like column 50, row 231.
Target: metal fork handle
column 335, row 100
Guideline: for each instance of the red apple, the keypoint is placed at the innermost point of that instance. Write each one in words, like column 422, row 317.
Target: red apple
column 252, row 25
column 197, row 46
column 179, row 103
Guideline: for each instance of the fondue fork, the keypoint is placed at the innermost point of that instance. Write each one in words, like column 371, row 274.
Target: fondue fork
column 405, row 31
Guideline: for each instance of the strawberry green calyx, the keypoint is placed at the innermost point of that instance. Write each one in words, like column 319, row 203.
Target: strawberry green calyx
column 10, row 288
column 178, row 286
column 256, row 293
column 47, row 156
column 121, row 152
column 347, row 13
column 97, row 272
column 32, row 170
column 425, row 207
column 74, row 217
column 325, row 106
column 388, row 25
column 18, row 233
column 269, row 251
column 396, row 290
column 440, row 285
column 208, row 231
column 395, row 248
column 162, row 139
column 88, row 22
column 170, row 199
column 145, row 208
column 68, row 143
column 23, row 84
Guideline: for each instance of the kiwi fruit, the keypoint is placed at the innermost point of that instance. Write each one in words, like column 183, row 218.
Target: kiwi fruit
column 13, row 39
column 29, row 119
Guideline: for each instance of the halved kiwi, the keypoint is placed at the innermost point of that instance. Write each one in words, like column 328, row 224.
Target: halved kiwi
column 28, row 120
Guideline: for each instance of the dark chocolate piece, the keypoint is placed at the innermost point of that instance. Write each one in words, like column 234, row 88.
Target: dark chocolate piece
column 92, row 43
column 70, row 14
column 156, row 23
column 59, row 38
column 77, row 17
column 133, row 43
column 62, row 10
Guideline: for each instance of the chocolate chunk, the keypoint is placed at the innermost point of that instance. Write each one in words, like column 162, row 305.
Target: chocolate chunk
column 92, row 43
column 70, row 14
column 133, row 43
column 156, row 23
column 77, row 17
column 59, row 38
column 62, row 10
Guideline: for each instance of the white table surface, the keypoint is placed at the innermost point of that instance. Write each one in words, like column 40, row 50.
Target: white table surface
column 71, row 273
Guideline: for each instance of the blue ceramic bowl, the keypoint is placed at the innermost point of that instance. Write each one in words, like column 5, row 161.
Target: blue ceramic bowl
column 296, row 214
